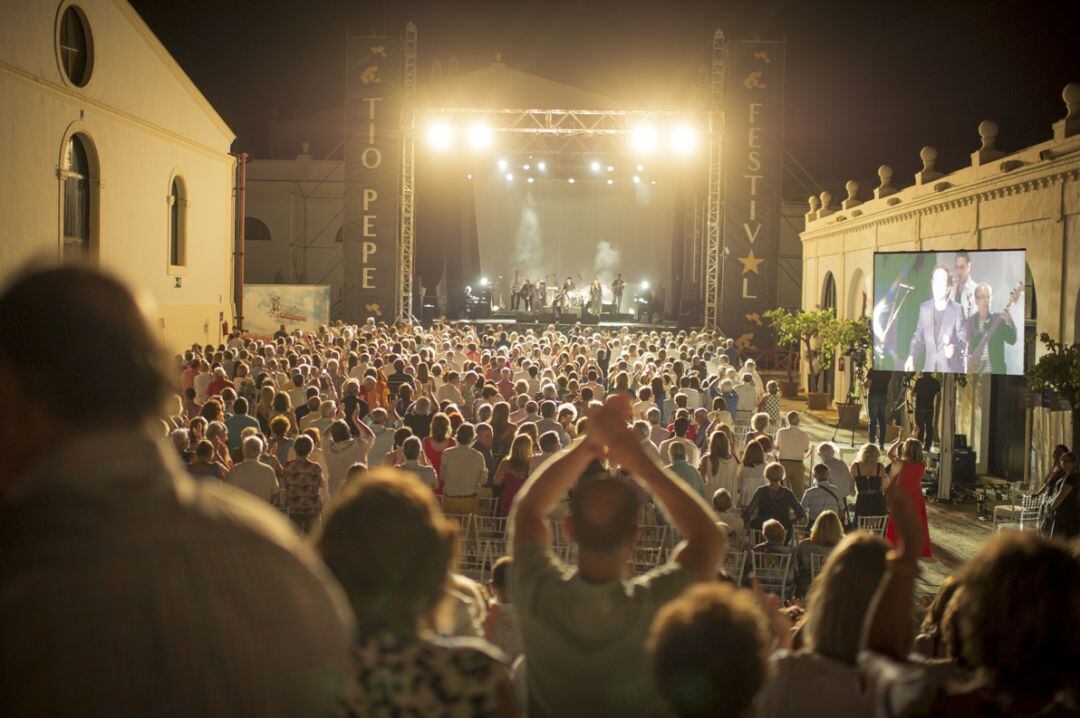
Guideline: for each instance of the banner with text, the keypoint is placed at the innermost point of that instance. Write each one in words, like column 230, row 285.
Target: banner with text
column 752, row 159
column 373, row 88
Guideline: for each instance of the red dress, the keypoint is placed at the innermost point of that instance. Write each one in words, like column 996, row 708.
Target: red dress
column 434, row 457
column 512, row 483
column 909, row 480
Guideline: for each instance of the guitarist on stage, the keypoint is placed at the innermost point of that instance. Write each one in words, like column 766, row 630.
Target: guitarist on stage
column 988, row 333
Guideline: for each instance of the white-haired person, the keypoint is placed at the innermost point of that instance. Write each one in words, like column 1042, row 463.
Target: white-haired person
column 251, row 474
column 792, row 448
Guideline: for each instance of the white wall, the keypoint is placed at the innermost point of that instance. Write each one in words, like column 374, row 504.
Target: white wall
column 145, row 122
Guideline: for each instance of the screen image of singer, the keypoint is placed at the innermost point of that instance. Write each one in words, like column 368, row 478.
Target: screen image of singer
column 957, row 312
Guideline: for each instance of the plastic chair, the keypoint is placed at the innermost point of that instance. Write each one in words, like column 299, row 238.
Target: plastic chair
column 874, row 524
column 773, row 572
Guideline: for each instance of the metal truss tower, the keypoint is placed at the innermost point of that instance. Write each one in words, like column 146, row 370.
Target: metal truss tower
column 714, row 214
column 404, row 305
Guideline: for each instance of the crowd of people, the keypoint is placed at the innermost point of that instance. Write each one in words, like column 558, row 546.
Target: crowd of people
column 272, row 526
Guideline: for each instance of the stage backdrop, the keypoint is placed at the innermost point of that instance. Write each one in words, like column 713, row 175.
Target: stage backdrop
column 372, row 160
column 752, row 158
column 552, row 229
column 297, row 306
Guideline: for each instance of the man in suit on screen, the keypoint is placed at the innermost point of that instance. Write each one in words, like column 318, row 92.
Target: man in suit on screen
column 941, row 335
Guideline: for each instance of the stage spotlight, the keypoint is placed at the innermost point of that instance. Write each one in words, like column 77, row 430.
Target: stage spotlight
column 525, row 167
column 468, row 176
column 571, row 180
column 683, row 139
column 509, row 177
column 502, row 165
column 594, row 166
column 610, row 168
column 480, row 137
column 644, row 139
column 641, row 168
column 637, row 179
column 530, row 180
column 610, row 181
column 440, row 135
column 483, row 281
column 645, row 285
column 542, row 166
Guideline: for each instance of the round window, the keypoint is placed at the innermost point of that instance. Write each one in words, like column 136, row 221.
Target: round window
column 75, row 46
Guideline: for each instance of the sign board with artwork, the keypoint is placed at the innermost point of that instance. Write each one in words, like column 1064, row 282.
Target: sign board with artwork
column 297, row 306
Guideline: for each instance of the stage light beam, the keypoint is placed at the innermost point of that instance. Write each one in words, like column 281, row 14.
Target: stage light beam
column 610, row 181
column 594, row 166
column 542, row 166
column 683, row 139
column 644, row 139
column 571, row 180
column 480, row 137
column 530, row 180
column 503, row 165
column 440, row 135
column 645, row 285
column 483, row 281
column 637, row 180
column 509, row 176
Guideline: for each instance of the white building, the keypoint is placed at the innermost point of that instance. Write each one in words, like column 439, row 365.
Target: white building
column 108, row 152
column 1027, row 198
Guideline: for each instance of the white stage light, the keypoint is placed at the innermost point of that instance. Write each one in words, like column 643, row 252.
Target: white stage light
column 502, row 165
column 645, row 284
column 636, row 179
column 530, row 180
column 509, row 177
column 595, row 166
column 542, row 166
column 525, row 167
column 483, row 281
column 571, row 180
column 641, row 168
column 644, row 139
column 683, row 139
column 610, row 181
column 610, row 168
column 468, row 176
column 480, row 137
column 440, row 135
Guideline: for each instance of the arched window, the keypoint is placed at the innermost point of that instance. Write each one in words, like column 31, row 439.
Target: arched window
column 828, row 293
column 178, row 203
column 75, row 46
column 255, row 230
column 77, row 205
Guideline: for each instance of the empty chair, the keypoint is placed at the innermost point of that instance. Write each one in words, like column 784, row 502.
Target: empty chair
column 733, row 564
column 873, row 524
column 773, row 572
column 652, row 536
column 645, row 559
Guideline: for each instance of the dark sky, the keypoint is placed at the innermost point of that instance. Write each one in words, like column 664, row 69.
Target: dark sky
column 867, row 83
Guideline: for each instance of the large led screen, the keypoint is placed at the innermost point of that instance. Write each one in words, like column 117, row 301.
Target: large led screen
column 955, row 312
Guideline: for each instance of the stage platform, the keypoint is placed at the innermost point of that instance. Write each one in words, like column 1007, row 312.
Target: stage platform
column 524, row 322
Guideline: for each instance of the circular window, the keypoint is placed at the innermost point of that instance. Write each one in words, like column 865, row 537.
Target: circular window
column 75, row 46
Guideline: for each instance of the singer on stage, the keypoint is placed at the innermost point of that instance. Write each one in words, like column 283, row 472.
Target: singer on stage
column 940, row 340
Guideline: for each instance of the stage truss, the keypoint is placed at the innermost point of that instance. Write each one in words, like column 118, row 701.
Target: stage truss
column 559, row 132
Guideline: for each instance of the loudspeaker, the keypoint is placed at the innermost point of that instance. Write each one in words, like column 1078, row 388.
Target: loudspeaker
column 589, row 318
column 547, row 316
column 963, row 468
column 427, row 314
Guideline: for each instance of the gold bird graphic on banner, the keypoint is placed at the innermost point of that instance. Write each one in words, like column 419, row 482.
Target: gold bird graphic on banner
column 368, row 76
column 378, row 50
column 753, row 81
column 374, row 309
column 754, row 318
column 763, row 56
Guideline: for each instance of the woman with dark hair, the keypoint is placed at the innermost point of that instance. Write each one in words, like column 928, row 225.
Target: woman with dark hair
column 1014, row 662
column 823, row 674
column 1055, row 475
column 1065, row 505
column 381, row 524
column 502, row 429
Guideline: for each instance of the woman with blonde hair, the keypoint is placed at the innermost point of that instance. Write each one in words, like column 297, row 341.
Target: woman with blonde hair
column 823, row 673
column 436, row 442
column 751, row 472
column 825, row 534
column 265, row 407
column 513, row 471
column 392, row 550
column 906, row 474
column 869, row 477
column 719, row 468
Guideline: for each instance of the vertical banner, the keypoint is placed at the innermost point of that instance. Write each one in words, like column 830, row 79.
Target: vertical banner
column 752, row 160
column 373, row 89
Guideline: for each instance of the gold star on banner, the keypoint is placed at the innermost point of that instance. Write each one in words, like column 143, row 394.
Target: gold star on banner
column 750, row 263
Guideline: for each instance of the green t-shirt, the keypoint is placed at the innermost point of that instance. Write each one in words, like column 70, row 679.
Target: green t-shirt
column 585, row 642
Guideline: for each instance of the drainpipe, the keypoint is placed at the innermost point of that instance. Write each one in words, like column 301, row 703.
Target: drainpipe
column 238, row 252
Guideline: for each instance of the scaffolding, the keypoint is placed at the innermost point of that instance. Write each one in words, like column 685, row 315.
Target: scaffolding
column 714, row 264
column 407, row 224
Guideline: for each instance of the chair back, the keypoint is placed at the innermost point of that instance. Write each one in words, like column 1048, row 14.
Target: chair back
column 773, row 571
column 873, row 524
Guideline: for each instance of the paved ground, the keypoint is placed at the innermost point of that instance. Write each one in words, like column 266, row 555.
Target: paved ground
column 955, row 531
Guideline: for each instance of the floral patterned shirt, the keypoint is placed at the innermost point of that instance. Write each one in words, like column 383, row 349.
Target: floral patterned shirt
column 303, row 487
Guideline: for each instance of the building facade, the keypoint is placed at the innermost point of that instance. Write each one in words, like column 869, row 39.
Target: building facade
column 1026, row 199
column 111, row 155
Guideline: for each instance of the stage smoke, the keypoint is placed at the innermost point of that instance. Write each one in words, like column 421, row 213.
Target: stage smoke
column 607, row 261
column 527, row 251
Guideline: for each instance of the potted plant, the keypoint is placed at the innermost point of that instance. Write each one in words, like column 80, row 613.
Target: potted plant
column 852, row 337
column 813, row 328
column 785, row 328
column 1058, row 370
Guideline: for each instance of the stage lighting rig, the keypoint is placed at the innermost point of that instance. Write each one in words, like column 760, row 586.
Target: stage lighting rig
column 480, row 137
column 503, row 165
column 440, row 135
column 644, row 139
column 594, row 166
column 571, row 180
column 683, row 139
column 542, row 166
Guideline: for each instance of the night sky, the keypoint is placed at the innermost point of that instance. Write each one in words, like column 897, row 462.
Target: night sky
column 867, row 83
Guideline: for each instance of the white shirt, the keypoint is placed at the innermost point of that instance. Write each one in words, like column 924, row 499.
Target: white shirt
column 792, row 443
column 544, row 425
column 722, row 474
column 693, row 456
column 449, row 392
column 463, row 471
column 340, row 456
column 747, row 399
column 254, row 477
column 658, row 435
column 201, row 382
column 750, row 480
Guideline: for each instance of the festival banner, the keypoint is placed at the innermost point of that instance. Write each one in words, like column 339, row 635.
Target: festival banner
column 752, row 160
column 296, row 306
column 373, row 89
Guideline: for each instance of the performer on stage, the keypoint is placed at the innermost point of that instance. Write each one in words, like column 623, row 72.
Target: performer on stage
column 987, row 336
column 596, row 296
column 941, row 335
column 515, row 291
column 617, row 288
column 526, row 295
column 561, row 298
column 964, row 293
column 538, row 297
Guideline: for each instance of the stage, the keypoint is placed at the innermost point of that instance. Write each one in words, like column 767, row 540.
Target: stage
column 522, row 321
